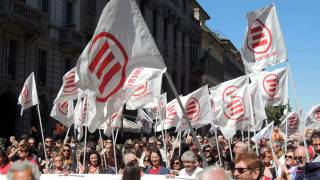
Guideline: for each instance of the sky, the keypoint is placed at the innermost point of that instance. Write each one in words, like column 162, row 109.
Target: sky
column 300, row 24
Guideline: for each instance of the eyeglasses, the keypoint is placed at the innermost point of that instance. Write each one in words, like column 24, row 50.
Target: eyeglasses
column 58, row 160
column 289, row 157
column 176, row 162
column 21, row 150
column 241, row 170
column 299, row 158
column 146, row 160
column 66, row 150
column 48, row 141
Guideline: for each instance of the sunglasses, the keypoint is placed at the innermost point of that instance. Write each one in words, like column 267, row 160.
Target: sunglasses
column 288, row 157
column 176, row 162
column 146, row 160
column 66, row 150
column 241, row 170
column 300, row 159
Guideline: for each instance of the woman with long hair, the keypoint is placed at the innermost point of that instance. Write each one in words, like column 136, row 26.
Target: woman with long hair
column 131, row 171
column 95, row 166
column 157, row 165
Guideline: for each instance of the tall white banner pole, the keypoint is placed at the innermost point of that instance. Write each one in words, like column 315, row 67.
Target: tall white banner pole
column 44, row 145
column 114, row 152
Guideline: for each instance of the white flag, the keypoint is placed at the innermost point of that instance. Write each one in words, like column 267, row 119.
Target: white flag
column 264, row 133
column 28, row 96
column 68, row 90
column 258, row 106
column 236, row 108
column 294, row 122
column 62, row 111
column 147, row 94
column 121, row 42
column 172, row 117
column 313, row 117
column 158, row 112
column 113, row 122
column 273, row 86
column 219, row 92
column 145, row 121
column 264, row 43
column 198, row 109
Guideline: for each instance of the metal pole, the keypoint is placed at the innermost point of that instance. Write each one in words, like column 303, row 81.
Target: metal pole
column 114, row 152
column 217, row 142
column 65, row 139
column 44, row 145
column 104, row 154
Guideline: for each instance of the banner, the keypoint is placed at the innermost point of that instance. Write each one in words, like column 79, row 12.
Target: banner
column 145, row 121
column 63, row 111
column 171, row 120
column 68, row 90
column 264, row 133
column 294, row 123
column 264, row 43
column 28, row 96
column 313, row 117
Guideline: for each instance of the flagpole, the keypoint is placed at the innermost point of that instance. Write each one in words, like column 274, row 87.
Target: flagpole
column 65, row 139
column 188, row 135
column 85, row 147
column 286, row 140
column 293, row 87
column 164, row 142
column 186, row 117
column 44, row 145
column 175, row 143
column 242, row 135
column 102, row 145
column 114, row 151
column 249, row 149
column 230, row 149
column 217, row 142
column 257, row 151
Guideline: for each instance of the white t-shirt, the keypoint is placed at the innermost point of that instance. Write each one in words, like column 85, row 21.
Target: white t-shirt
column 193, row 174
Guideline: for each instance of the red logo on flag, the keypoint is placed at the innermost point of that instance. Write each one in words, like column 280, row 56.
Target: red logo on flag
column 63, row 107
column 141, row 90
column 193, row 109
column 234, row 108
column 259, row 38
column 25, row 94
column 171, row 113
column 108, row 64
column 228, row 92
column 271, row 84
column 293, row 122
column 69, row 83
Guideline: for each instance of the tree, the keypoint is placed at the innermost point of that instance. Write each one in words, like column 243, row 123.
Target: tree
column 274, row 113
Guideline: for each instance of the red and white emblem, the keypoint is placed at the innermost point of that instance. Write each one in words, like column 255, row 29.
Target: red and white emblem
column 271, row 84
column 108, row 62
column 25, row 94
column 259, row 39
column 193, row 109
column 141, row 90
column 171, row 113
column 234, row 109
column 70, row 85
column 63, row 107
column 293, row 122
column 228, row 92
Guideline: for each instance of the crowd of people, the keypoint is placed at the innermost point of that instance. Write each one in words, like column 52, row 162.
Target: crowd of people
column 166, row 156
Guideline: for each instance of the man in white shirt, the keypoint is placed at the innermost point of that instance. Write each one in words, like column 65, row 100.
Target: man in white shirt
column 189, row 162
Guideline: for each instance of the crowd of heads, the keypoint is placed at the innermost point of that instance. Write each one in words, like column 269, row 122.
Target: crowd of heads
column 268, row 159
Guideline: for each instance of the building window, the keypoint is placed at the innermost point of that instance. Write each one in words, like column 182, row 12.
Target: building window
column 67, row 65
column 12, row 58
column 155, row 22
column 42, row 67
column 69, row 14
column 44, row 6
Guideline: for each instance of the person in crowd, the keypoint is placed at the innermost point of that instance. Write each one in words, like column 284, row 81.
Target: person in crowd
column 57, row 167
column 4, row 162
column 285, row 170
column 69, row 163
column 300, row 156
column 13, row 141
column 157, row 165
column 207, row 151
column 95, row 166
column 23, row 170
column 175, row 165
column 315, row 142
column 48, row 141
column 146, row 162
column 12, row 152
column 240, row 147
column 277, row 135
column 247, row 166
column 24, row 154
column 190, row 169
column 131, row 171
column 269, row 172
column 213, row 172
column 277, row 148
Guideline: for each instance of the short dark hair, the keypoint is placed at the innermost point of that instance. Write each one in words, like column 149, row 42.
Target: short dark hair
column 315, row 134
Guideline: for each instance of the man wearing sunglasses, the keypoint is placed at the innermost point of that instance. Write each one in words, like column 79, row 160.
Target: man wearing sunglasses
column 300, row 157
column 247, row 166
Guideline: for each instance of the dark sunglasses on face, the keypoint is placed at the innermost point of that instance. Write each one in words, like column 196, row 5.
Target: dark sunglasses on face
column 66, row 150
column 300, row 159
column 176, row 162
column 289, row 157
column 241, row 170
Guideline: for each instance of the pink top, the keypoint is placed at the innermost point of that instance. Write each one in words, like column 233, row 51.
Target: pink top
column 4, row 169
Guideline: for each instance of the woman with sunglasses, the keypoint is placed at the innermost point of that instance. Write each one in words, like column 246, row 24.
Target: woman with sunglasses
column 69, row 162
column 175, row 165
column 157, row 165
column 285, row 170
column 269, row 172
column 146, row 162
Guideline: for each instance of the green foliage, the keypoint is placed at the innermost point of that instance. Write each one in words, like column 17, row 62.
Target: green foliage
column 275, row 113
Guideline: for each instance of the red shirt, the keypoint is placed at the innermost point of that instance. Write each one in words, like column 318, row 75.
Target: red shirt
column 4, row 169
column 155, row 171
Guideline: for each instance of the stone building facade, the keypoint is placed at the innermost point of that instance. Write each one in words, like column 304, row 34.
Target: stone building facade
column 47, row 36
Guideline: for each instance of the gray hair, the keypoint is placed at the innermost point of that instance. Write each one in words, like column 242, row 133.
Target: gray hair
column 188, row 156
column 21, row 166
column 213, row 172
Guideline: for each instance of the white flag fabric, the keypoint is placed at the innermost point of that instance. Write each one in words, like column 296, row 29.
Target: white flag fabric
column 121, row 42
column 145, row 121
column 264, row 133
column 85, row 111
column 28, row 96
column 236, row 108
column 147, row 94
column 63, row 111
column 273, row 86
column 218, row 94
column 79, row 130
column 172, row 117
column 113, row 122
column 198, row 109
column 294, row 122
column 258, row 106
column 68, row 90
column 160, row 108
column 264, row 43
column 313, row 117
